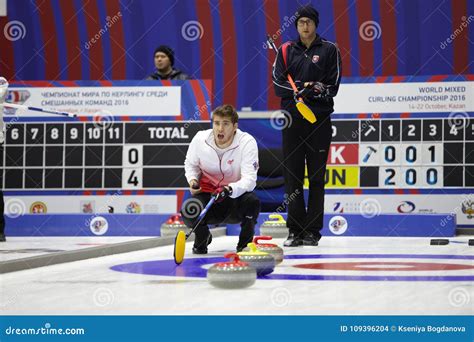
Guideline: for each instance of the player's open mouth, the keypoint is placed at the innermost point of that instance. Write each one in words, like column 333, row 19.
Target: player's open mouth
column 220, row 136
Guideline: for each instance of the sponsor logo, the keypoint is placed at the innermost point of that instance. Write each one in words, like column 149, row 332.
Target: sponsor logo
column 230, row 161
column 99, row 225
column 315, row 59
column 467, row 207
column 346, row 207
column 338, row 207
column 16, row 97
column 255, row 165
column 38, row 208
column 338, row 225
column 133, row 208
column 87, row 207
column 406, row 207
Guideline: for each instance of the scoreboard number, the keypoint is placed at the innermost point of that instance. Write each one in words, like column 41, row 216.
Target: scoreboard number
column 132, row 178
column 132, row 175
column 411, row 177
column 411, row 154
column 432, row 154
column 132, row 156
column 391, row 154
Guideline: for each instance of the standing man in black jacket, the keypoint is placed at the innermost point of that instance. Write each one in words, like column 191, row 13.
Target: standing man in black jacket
column 315, row 65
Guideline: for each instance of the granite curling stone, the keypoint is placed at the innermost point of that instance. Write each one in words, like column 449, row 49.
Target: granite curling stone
column 233, row 274
column 270, row 248
column 263, row 262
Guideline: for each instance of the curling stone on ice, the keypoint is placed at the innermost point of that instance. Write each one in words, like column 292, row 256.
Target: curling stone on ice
column 269, row 248
column 233, row 274
column 263, row 262
column 173, row 225
column 275, row 226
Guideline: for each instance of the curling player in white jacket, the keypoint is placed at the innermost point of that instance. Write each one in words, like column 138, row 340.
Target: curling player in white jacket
column 222, row 161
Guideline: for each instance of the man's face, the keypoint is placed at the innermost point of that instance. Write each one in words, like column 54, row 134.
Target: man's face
column 306, row 27
column 224, row 130
column 162, row 62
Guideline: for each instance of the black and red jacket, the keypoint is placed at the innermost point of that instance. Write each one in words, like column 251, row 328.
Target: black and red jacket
column 321, row 62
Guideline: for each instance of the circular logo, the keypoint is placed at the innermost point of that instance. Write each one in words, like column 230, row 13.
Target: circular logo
column 38, row 208
column 338, row 225
column 406, row 207
column 99, row 225
column 133, row 208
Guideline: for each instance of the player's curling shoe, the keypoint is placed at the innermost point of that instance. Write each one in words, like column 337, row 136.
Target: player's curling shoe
column 2, row 238
column 311, row 240
column 201, row 249
column 293, row 241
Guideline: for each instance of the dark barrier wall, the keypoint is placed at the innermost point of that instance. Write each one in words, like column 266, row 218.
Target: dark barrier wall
column 224, row 40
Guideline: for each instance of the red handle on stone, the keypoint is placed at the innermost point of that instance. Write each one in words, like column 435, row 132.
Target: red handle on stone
column 265, row 237
column 234, row 256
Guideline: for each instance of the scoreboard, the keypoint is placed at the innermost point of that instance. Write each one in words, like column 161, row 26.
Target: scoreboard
column 94, row 156
column 401, row 153
column 365, row 153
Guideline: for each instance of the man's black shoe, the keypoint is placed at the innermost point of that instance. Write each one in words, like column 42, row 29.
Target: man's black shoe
column 203, row 250
column 311, row 240
column 2, row 238
column 293, row 241
column 199, row 250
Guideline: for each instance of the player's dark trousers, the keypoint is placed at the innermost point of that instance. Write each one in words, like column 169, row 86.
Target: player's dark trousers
column 243, row 210
column 303, row 141
column 2, row 212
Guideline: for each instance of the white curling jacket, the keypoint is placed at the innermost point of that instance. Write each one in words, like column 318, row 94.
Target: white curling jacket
column 236, row 168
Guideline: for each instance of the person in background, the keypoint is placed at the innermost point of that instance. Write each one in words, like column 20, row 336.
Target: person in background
column 164, row 61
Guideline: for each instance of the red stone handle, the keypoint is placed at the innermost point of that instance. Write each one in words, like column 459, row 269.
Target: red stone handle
column 233, row 256
column 265, row 237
